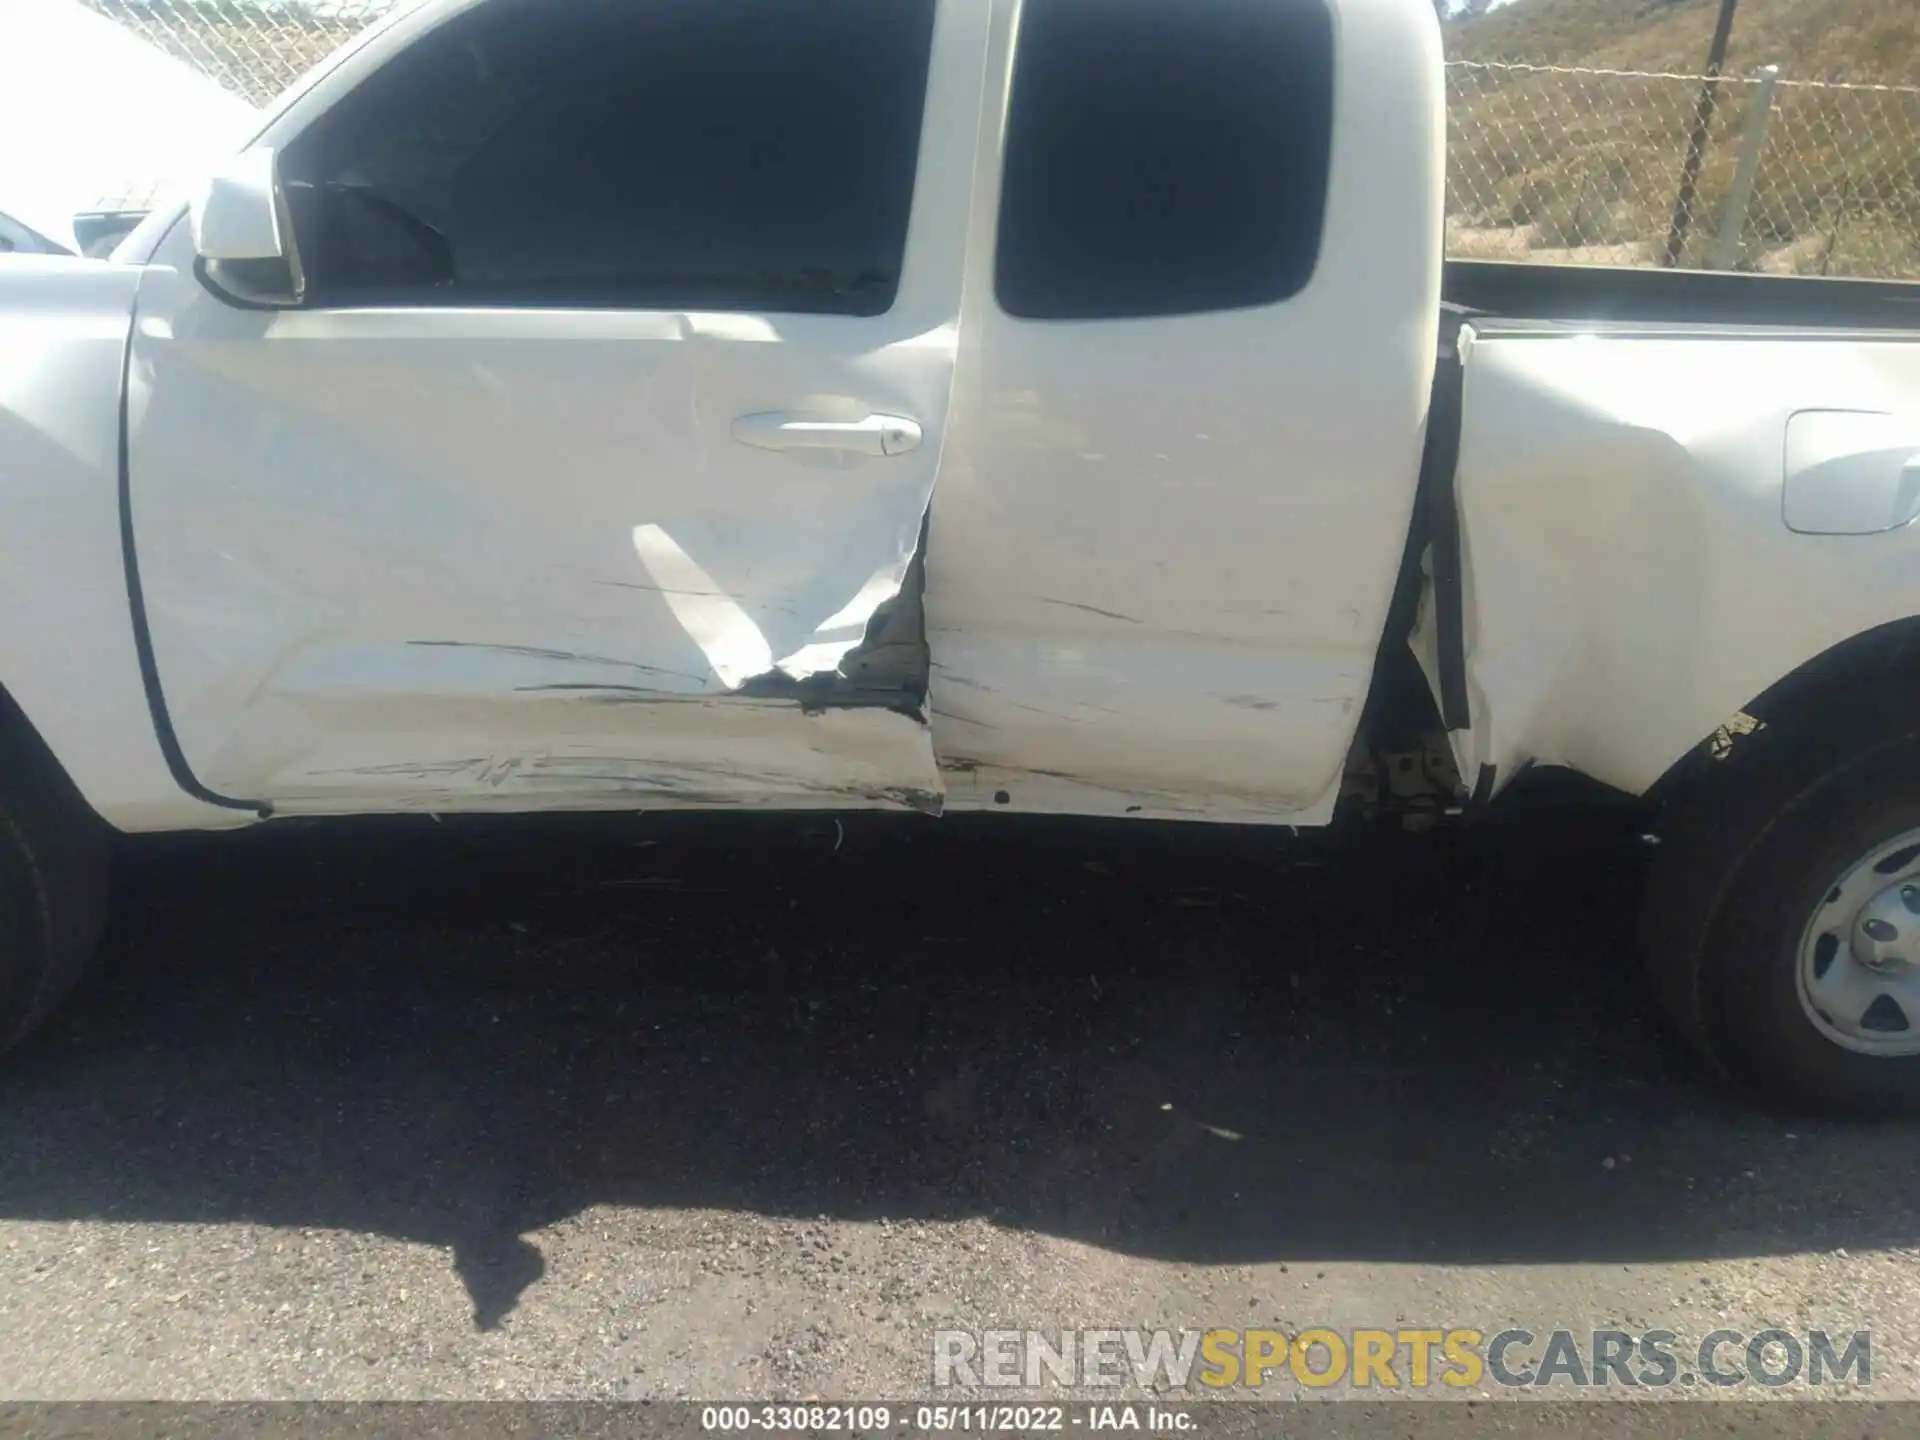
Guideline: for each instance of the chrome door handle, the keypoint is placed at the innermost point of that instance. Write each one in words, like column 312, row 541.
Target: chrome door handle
column 877, row 435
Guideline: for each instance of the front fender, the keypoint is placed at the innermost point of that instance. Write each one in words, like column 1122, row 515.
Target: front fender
column 67, row 652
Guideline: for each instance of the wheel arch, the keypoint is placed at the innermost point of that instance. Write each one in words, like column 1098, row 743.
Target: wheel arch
column 1849, row 674
column 22, row 744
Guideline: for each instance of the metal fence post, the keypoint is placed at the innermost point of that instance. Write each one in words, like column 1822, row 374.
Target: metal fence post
column 1753, row 138
column 1697, row 138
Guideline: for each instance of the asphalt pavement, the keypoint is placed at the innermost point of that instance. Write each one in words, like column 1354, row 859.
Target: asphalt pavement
column 651, row 1107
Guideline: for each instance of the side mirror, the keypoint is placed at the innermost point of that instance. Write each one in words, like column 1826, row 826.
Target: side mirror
column 242, row 240
column 235, row 212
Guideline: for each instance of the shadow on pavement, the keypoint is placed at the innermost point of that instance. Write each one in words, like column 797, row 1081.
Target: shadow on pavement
column 1193, row 1044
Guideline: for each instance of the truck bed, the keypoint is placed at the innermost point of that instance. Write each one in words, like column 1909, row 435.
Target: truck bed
column 1508, row 290
column 1505, row 297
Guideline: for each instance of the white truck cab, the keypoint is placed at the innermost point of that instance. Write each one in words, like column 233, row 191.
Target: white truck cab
column 1035, row 406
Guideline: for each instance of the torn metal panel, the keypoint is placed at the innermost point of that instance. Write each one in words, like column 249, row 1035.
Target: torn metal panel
column 619, row 583
column 534, row 531
column 871, row 652
column 612, row 733
column 1632, row 577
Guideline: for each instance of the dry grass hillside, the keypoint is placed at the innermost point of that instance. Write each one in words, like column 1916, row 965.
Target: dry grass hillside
column 1550, row 165
column 1856, row 40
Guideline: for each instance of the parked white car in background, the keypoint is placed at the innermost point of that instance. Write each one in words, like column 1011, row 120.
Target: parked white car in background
column 93, row 121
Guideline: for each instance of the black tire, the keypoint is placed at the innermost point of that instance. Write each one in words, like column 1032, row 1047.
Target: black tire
column 53, row 886
column 1743, row 866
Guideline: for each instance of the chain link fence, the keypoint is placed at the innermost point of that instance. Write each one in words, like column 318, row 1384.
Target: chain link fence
column 256, row 48
column 1545, row 163
column 1548, row 163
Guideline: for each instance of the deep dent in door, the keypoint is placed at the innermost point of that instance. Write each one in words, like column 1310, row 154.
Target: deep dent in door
column 433, row 594
column 870, row 654
column 859, row 682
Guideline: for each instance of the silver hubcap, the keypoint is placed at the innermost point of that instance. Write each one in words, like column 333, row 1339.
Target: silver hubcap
column 1860, row 954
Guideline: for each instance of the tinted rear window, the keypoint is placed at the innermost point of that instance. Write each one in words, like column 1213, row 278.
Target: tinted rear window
column 1164, row 156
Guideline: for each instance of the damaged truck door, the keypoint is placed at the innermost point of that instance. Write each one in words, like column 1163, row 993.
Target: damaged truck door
column 577, row 439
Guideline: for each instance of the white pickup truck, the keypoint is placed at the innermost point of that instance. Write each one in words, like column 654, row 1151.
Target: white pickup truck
column 1008, row 405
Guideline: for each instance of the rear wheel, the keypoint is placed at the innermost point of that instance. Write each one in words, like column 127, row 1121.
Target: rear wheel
column 1782, row 917
column 53, row 886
